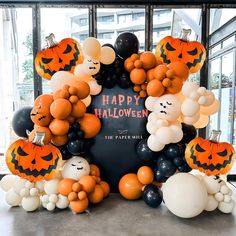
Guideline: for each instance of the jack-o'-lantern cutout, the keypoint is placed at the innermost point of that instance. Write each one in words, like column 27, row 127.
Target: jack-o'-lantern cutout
column 64, row 55
column 192, row 53
column 32, row 161
column 40, row 115
column 210, row 156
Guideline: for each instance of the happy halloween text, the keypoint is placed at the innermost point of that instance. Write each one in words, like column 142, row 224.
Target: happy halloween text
column 119, row 101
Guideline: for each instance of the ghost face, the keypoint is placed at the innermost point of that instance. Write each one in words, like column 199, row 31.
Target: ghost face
column 91, row 66
column 75, row 168
column 167, row 107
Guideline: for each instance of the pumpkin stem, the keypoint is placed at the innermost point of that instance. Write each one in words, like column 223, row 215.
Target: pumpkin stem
column 185, row 33
column 38, row 138
column 215, row 136
column 50, row 40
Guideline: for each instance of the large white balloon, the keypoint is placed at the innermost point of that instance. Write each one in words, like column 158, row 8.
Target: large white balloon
column 12, row 198
column 92, row 47
column 62, row 202
column 51, row 186
column 212, row 204
column 30, row 203
column 150, row 103
column 19, row 185
column 95, row 88
column 190, row 107
column 184, row 195
column 75, row 168
column 7, row 182
column 153, row 144
column 188, row 88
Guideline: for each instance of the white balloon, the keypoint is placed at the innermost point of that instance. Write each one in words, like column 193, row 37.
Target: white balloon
column 219, row 197
column 226, row 207
column 62, row 202
column 51, row 206
column 178, row 133
column 79, row 70
column 150, row 103
column 29, row 184
column 190, row 107
column 184, row 195
column 167, row 107
column 210, row 98
column 209, row 110
column 40, row 185
column 25, row 192
column 53, row 198
column 188, row 88
column 201, row 90
column 161, row 123
column 7, row 182
column 45, row 198
column 164, row 135
column 194, row 95
column 87, row 101
column 92, row 47
column 30, row 203
column 227, row 198
column 211, row 183
column 151, row 127
column 202, row 121
column 202, row 100
column 107, row 56
column 153, row 144
column 51, row 186
column 152, row 116
column 75, row 168
column 212, row 204
column 12, row 198
column 190, row 120
column 95, row 88
column 34, row 192
column 19, row 185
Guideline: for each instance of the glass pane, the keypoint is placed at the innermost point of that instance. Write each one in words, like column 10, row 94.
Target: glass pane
column 215, row 48
column 226, row 97
column 219, row 17
column 171, row 21
column 16, row 69
column 113, row 21
column 66, row 22
column 228, row 41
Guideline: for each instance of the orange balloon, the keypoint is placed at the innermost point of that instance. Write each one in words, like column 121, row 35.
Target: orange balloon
column 64, row 94
column 134, row 57
column 143, row 94
column 138, row 76
column 73, row 90
column 90, row 125
column 59, row 140
column 155, row 88
column 138, row 64
column 105, row 187
column 78, row 109
column 180, row 68
column 76, row 187
column 82, row 195
column 73, row 99
column 88, row 183
column 129, row 64
column 170, row 74
column 65, row 186
column 83, row 89
column 57, row 94
column 160, row 72
column 148, row 60
column 71, row 119
column 97, row 195
column 94, row 170
column 150, row 75
column 145, row 175
column 176, row 86
column 60, row 108
column 40, row 115
column 44, row 100
column 59, row 127
column 130, row 187
column 79, row 206
column 72, row 196
column 137, row 88
column 41, row 129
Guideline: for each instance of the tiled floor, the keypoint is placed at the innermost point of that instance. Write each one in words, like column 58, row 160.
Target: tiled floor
column 114, row 216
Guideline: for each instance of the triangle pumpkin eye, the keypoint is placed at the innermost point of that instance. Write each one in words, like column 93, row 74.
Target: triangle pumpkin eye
column 169, row 47
column 223, row 153
column 193, row 52
column 46, row 60
column 199, row 149
column 21, row 152
column 68, row 49
column 48, row 157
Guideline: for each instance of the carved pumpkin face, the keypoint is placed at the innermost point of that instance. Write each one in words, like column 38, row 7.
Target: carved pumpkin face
column 33, row 162
column 192, row 53
column 209, row 157
column 40, row 115
column 62, row 56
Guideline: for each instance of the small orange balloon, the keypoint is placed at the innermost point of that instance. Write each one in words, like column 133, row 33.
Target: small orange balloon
column 148, row 60
column 60, row 108
column 59, row 140
column 134, row 57
column 155, row 88
column 138, row 76
column 176, row 86
column 166, row 82
column 65, row 186
column 90, row 125
column 137, row 88
column 129, row 64
column 130, row 187
column 97, row 195
column 76, row 187
column 66, row 87
column 73, row 90
column 88, row 183
column 143, row 94
column 180, row 69
column 82, row 195
column 138, row 64
column 71, row 119
column 44, row 100
column 150, row 75
column 105, row 187
column 59, row 127
column 57, row 94
column 160, row 72
column 145, row 175
column 73, row 99
column 94, row 170
column 79, row 206
column 170, row 73
column 41, row 129
column 144, row 86
column 78, row 109
column 72, row 196
column 64, row 94
column 82, row 88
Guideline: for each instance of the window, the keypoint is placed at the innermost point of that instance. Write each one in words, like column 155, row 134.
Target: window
column 105, row 19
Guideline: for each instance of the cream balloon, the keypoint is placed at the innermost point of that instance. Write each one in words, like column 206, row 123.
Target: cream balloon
column 95, row 88
column 190, row 107
column 92, row 47
column 87, row 101
column 79, row 70
column 202, row 122
column 212, row 204
column 7, row 182
column 30, row 203
column 164, row 135
column 211, row 183
column 190, row 120
column 184, row 195
column 150, row 103
column 226, row 207
column 177, row 133
column 107, row 56
column 51, row 186
column 209, row 110
column 153, row 144
column 62, row 202
column 12, row 198
column 19, row 185
column 188, row 88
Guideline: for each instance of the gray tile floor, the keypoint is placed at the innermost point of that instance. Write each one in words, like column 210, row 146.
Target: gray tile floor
column 114, row 216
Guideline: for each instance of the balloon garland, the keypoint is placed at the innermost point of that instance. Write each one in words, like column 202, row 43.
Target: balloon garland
column 58, row 131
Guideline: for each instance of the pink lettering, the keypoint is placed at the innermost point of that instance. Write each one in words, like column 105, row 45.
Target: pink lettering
column 121, row 99
column 105, row 100
column 136, row 99
column 129, row 100
column 144, row 113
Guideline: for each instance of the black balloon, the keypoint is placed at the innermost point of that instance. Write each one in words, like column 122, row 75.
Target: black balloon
column 167, row 168
column 184, row 168
column 75, row 126
column 178, row 161
column 152, row 196
column 160, row 158
column 143, row 151
column 126, row 44
column 22, row 122
column 65, row 153
column 76, row 147
column 174, row 150
column 71, row 135
column 124, row 81
column 189, row 133
column 158, row 176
